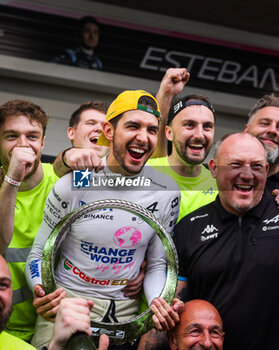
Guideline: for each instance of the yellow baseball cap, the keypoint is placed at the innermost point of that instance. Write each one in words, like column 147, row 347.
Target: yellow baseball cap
column 127, row 101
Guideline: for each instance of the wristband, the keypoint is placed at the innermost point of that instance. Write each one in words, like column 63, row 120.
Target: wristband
column 11, row 181
column 63, row 155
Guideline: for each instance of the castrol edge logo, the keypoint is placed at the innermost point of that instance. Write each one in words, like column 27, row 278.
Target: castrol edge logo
column 68, row 265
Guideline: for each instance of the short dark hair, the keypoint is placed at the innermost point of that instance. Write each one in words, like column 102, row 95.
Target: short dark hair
column 16, row 108
column 88, row 19
column 266, row 101
column 97, row 105
column 148, row 102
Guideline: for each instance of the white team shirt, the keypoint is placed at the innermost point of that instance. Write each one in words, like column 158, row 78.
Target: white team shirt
column 105, row 248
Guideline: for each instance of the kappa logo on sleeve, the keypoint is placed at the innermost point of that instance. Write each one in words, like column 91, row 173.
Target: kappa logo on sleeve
column 81, row 178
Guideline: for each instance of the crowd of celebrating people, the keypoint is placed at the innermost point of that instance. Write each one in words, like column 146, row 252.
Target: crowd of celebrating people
column 222, row 218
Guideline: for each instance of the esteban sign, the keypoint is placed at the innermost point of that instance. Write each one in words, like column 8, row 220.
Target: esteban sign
column 235, row 72
column 145, row 52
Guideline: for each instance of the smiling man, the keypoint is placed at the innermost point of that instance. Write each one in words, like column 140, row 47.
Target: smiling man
column 23, row 192
column 190, row 129
column 86, row 124
column 228, row 250
column 85, row 127
column 200, row 328
column 94, row 246
column 264, row 123
column 132, row 137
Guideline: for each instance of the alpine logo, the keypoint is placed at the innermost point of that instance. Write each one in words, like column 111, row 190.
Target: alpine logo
column 273, row 220
column 211, row 230
column 209, row 191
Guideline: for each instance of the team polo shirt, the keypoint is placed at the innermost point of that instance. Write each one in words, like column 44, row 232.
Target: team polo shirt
column 195, row 191
column 234, row 263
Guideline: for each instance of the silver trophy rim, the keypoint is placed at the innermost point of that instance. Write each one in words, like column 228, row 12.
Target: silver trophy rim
column 133, row 328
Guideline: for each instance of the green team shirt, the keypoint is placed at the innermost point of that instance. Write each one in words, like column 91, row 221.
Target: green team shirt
column 10, row 342
column 28, row 216
column 195, row 191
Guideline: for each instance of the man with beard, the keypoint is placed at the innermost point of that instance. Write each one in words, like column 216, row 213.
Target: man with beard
column 264, row 123
column 190, row 128
column 85, row 127
column 95, row 261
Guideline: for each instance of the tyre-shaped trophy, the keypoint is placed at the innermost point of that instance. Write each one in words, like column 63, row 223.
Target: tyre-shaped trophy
column 133, row 328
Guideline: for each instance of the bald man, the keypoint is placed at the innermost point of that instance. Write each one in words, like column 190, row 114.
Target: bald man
column 200, row 327
column 228, row 250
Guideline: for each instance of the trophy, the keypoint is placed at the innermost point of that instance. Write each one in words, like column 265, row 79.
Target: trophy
column 133, row 328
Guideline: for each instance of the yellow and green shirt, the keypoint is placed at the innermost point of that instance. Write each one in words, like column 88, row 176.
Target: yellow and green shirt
column 10, row 342
column 195, row 191
column 28, row 216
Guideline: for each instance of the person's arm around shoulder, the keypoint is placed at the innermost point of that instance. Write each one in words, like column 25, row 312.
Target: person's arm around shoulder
column 78, row 159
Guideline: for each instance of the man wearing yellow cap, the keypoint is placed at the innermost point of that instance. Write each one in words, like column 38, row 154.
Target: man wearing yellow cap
column 104, row 249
